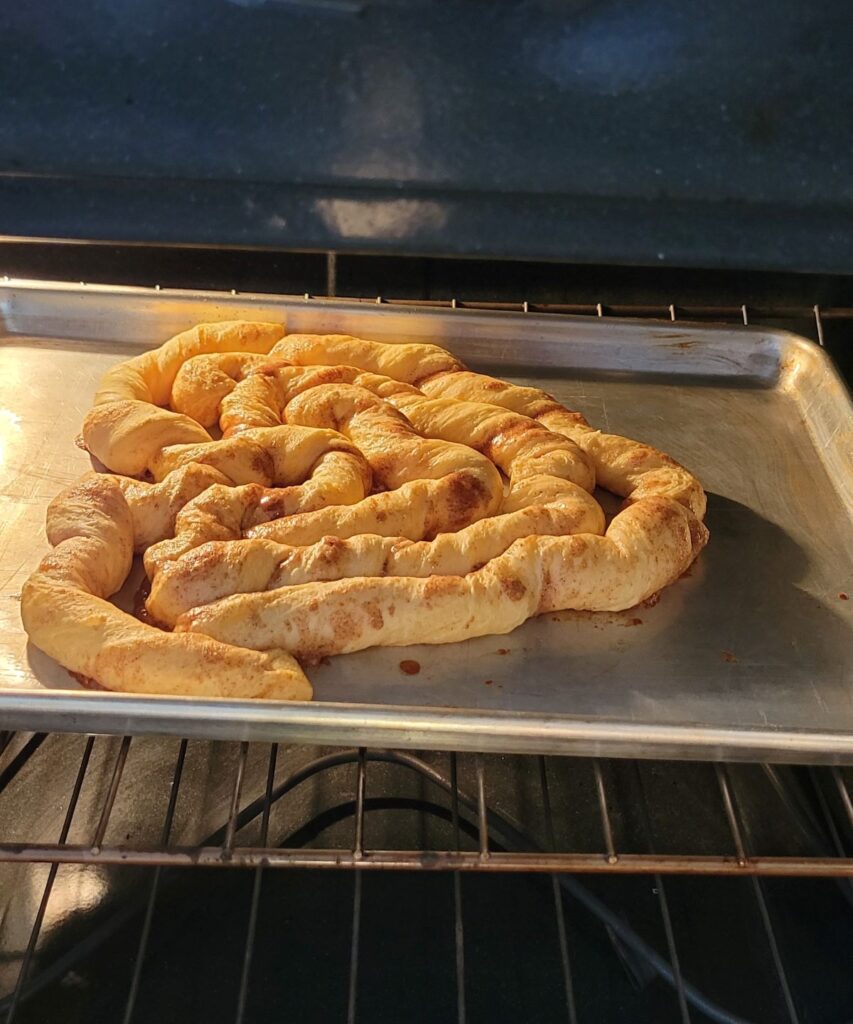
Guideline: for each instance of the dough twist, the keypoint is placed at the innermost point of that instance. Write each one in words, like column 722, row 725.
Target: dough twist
column 268, row 543
column 542, row 498
column 65, row 613
column 319, row 467
column 123, row 431
column 628, row 468
column 647, row 547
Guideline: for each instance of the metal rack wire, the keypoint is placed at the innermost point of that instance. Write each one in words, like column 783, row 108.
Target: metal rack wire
column 503, row 843
column 264, row 827
column 811, row 318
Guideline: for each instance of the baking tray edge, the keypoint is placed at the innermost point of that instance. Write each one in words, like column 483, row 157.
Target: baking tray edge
column 414, row 727
column 408, row 726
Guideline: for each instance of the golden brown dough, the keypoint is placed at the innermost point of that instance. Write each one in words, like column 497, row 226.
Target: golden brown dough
column 313, row 468
column 65, row 613
column 268, row 543
column 645, row 548
column 215, row 570
column 431, row 486
column 542, row 499
column 124, row 430
column 628, row 468
column 517, row 444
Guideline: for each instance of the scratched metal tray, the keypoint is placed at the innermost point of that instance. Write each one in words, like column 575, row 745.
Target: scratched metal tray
column 747, row 657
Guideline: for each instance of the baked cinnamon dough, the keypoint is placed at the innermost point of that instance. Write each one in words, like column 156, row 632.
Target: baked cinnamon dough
column 360, row 494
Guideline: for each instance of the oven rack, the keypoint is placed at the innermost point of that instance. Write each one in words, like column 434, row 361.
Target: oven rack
column 134, row 801
column 486, row 836
column 498, row 839
column 808, row 320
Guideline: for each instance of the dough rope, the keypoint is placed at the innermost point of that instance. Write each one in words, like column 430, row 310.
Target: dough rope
column 311, row 468
column 542, row 498
column 429, row 486
column 254, row 393
column 216, row 570
column 122, row 429
column 362, row 494
column 628, row 468
column 66, row 614
column 646, row 548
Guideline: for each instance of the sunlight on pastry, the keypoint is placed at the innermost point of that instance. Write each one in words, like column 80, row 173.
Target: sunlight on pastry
column 358, row 494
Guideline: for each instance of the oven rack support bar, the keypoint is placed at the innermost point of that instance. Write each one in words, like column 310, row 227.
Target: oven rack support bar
column 223, row 848
column 431, row 860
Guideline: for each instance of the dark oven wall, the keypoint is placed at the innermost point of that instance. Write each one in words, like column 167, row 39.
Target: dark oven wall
column 660, row 133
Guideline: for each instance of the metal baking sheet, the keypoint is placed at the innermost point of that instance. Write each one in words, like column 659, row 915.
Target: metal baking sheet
column 748, row 657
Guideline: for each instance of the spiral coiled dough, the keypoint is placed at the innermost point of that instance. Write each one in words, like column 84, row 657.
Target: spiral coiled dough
column 357, row 494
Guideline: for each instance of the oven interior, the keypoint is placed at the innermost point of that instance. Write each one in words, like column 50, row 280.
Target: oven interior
column 152, row 879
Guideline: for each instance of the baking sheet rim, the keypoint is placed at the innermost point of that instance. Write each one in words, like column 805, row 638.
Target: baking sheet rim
column 437, row 727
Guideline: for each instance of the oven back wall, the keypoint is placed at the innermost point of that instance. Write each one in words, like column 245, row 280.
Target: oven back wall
column 636, row 133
